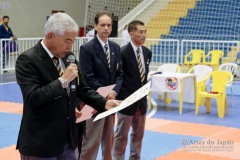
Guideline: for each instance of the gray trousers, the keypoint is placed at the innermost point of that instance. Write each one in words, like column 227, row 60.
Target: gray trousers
column 137, row 122
column 68, row 154
column 98, row 132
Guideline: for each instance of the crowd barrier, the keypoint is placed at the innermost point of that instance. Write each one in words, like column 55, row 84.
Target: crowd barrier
column 163, row 50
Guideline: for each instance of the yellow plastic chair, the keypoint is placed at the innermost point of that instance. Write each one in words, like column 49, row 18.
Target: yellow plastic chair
column 201, row 71
column 215, row 56
column 195, row 56
column 218, row 91
column 238, row 58
column 169, row 67
column 232, row 68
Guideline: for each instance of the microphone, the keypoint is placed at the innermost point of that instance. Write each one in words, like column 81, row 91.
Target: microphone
column 71, row 59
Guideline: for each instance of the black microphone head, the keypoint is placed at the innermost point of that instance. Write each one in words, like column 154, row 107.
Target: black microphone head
column 71, row 58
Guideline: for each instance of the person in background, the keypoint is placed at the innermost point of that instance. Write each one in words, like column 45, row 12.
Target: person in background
column 90, row 33
column 6, row 32
column 100, row 63
column 135, row 61
column 126, row 36
column 51, row 86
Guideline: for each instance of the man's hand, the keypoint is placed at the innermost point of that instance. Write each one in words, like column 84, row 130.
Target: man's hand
column 82, row 105
column 94, row 111
column 111, row 104
column 14, row 38
column 111, row 95
column 78, row 114
column 70, row 73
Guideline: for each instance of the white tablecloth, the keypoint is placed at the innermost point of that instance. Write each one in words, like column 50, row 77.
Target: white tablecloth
column 170, row 83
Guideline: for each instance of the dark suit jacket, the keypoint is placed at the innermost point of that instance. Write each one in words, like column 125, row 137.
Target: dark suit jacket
column 94, row 65
column 5, row 33
column 131, row 78
column 48, row 120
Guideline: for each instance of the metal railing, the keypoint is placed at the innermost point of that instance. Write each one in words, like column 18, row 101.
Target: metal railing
column 163, row 50
column 10, row 50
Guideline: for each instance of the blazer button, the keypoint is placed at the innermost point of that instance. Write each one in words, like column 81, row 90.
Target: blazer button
column 67, row 118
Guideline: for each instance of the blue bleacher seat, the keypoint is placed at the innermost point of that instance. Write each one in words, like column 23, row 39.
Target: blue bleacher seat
column 209, row 20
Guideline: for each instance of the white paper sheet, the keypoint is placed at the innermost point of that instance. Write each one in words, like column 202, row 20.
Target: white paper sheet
column 87, row 110
column 143, row 91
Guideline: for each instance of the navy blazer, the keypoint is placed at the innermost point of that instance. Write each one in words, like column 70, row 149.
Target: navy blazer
column 94, row 65
column 131, row 78
column 48, row 111
column 5, row 33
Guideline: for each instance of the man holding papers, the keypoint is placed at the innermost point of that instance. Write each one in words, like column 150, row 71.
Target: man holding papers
column 101, row 66
column 135, row 61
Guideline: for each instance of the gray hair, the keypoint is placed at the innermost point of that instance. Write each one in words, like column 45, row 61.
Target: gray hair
column 59, row 23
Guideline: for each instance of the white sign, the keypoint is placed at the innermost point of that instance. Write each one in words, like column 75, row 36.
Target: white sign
column 6, row 5
column 143, row 91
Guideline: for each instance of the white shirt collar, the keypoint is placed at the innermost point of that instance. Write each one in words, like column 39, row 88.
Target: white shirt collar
column 102, row 43
column 135, row 47
column 47, row 50
column 51, row 56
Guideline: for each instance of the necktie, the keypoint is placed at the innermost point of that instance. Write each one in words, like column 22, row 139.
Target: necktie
column 107, row 56
column 56, row 61
column 142, row 75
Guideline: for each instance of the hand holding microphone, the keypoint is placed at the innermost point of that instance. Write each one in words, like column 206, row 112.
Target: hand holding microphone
column 71, row 59
column 71, row 72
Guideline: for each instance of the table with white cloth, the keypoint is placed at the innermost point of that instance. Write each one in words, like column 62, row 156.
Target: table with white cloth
column 177, row 86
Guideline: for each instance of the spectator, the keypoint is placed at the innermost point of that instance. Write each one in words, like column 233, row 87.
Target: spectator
column 8, row 46
column 5, row 30
column 90, row 33
column 125, row 36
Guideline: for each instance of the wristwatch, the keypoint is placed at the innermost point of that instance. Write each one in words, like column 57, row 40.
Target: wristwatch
column 64, row 83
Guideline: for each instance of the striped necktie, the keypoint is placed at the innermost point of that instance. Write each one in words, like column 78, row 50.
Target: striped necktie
column 142, row 74
column 107, row 56
column 59, row 69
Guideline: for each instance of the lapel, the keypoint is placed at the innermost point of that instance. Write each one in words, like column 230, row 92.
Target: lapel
column 145, row 60
column 112, row 55
column 100, row 52
column 47, row 61
column 133, row 60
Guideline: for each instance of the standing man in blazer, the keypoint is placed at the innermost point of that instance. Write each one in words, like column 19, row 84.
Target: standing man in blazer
column 44, row 74
column 6, row 32
column 101, row 66
column 135, row 60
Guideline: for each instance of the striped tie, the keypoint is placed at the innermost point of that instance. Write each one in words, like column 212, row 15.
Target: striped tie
column 142, row 75
column 107, row 56
column 56, row 61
